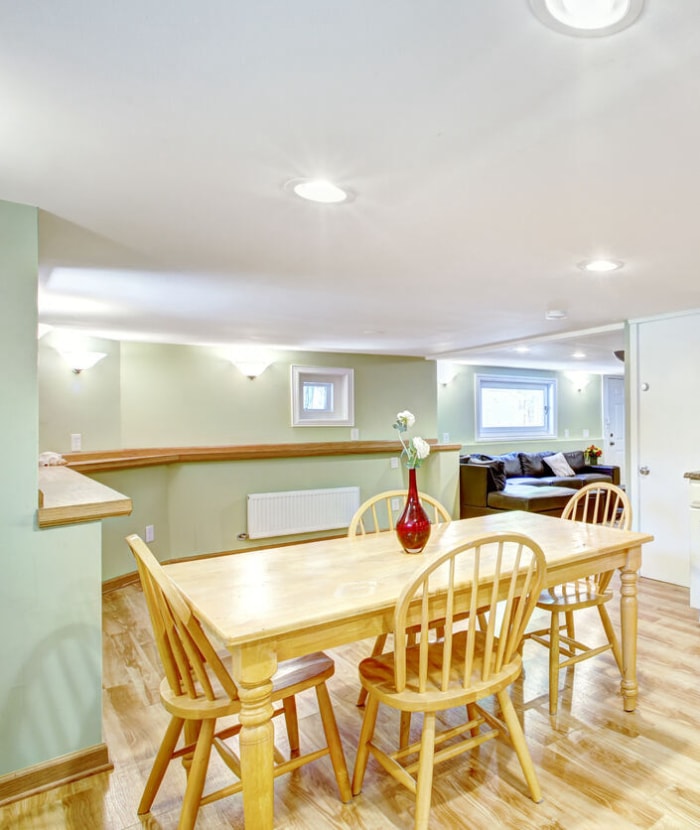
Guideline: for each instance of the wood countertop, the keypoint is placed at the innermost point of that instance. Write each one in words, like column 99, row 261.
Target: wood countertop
column 67, row 497
column 95, row 462
column 693, row 475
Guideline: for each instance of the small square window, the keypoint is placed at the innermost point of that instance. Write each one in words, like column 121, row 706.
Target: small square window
column 322, row 396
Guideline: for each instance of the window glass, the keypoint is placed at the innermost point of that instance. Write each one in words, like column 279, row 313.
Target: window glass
column 513, row 407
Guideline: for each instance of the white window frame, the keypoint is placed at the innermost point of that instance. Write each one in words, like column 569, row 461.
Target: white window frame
column 548, row 387
column 342, row 411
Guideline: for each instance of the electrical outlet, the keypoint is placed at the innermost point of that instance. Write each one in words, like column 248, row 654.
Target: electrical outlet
column 394, row 463
column 566, row 433
column 395, row 504
column 586, row 433
column 355, row 434
column 76, row 442
column 445, row 437
column 150, row 533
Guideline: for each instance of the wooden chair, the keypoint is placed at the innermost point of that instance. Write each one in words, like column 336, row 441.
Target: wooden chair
column 378, row 513
column 460, row 670
column 596, row 503
column 198, row 690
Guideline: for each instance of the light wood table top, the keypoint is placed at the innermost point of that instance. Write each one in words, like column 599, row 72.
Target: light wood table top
column 268, row 605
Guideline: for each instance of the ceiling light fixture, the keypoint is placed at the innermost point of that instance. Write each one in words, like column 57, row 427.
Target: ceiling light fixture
column 522, row 349
column 587, row 18
column 579, row 355
column 318, row 190
column 555, row 314
column 600, row 266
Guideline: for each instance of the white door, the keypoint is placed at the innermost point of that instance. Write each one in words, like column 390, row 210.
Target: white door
column 665, row 444
column 614, row 422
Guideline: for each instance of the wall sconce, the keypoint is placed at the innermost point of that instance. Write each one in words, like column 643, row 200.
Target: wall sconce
column 580, row 380
column 79, row 359
column 446, row 372
column 250, row 361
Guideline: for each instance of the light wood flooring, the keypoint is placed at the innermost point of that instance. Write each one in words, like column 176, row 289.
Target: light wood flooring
column 598, row 766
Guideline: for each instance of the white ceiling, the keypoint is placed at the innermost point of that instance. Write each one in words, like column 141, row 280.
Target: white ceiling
column 488, row 154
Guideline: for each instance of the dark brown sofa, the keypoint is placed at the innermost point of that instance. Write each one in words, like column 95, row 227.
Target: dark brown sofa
column 523, row 481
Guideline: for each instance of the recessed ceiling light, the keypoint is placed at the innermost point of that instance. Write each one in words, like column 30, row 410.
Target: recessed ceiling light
column 600, row 266
column 587, row 18
column 522, row 349
column 555, row 314
column 579, row 355
column 318, row 190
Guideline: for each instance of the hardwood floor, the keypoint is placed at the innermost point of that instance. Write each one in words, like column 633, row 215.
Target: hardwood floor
column 598, row 766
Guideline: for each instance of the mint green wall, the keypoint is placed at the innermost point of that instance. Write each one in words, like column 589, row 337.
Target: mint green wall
column 50, row 599
column 577, row 411
column 155, row 395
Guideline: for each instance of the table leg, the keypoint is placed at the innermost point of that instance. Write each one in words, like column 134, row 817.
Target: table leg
column 252, row 670
column 628, row 619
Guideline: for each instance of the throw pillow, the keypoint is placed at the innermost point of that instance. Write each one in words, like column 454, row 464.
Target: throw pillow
column 559, row 465
column 511, row 460
column 532, row 463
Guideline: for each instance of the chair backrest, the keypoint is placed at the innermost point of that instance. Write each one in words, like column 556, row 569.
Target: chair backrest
column 600, row 503
column 189, row 659
column 377, row 513
column 494, row 578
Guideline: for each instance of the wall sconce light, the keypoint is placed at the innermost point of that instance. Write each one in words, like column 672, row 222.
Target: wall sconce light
column 250, row 361
column 580, row 380
column 446, row 372
column 79, row 360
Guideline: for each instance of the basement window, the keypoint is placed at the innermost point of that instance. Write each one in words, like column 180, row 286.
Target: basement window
column 514, row 408
column 322, row 396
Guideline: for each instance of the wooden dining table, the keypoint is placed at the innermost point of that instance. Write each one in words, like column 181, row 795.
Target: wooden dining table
column 271, row 604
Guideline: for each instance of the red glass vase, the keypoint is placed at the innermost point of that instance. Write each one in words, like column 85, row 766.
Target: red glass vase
column 413, row 528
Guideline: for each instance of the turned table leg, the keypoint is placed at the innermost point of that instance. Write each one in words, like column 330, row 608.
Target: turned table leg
column 252, row 670
column 628, row 618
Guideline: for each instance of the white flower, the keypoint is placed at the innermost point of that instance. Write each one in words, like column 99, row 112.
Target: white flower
column 417, row 449
column 421, row 447
column 404, row 420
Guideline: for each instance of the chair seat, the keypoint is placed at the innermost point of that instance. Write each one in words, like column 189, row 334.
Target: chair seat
column 377, row 675
column 292, row 676
column 572, row 596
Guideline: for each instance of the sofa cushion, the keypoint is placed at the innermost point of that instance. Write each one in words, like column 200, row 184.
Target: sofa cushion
column 558, row 464
column 576, row 460
column 590, row 478
column 511, row 460
column 532, row 499
column 532, row 463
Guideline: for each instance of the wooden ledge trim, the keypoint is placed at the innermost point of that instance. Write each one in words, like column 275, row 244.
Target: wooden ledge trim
column 54, row 773
column 94, row 462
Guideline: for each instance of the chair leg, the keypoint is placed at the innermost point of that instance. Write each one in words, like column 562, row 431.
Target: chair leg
column 519, row 745
column 570, row 628
column 335, row 747
column 554, row 663
column 404, row 730
column 160, row 765
column 366, row 732
column 292, row 722
column 197, row 776
column 424, row 779
column 378, row 649
column 612, row 637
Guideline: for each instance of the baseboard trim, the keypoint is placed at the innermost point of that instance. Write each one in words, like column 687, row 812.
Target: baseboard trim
column 49, row 774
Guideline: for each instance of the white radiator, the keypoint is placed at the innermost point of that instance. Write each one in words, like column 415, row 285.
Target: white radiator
column 300, row 511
